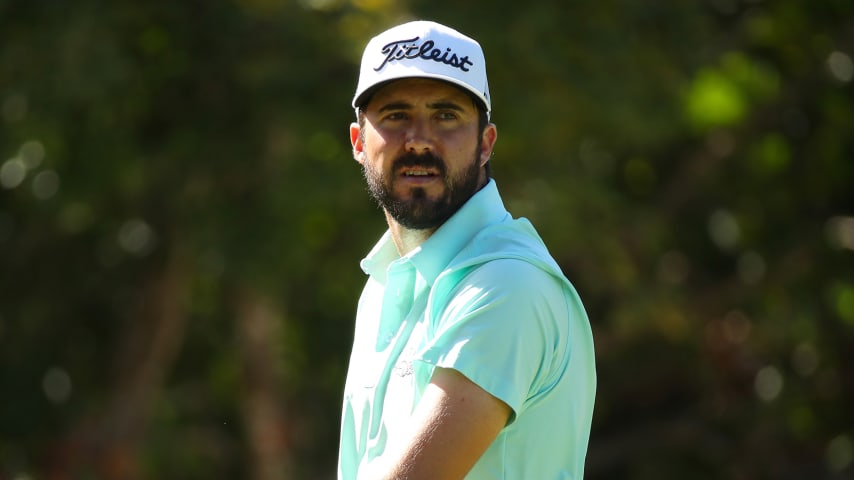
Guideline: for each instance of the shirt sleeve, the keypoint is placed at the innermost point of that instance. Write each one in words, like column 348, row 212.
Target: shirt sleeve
column 503, row 327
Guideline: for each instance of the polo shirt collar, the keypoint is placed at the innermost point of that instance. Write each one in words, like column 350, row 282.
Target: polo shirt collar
column 380, row 257
column 430, row 258
column 482, row 209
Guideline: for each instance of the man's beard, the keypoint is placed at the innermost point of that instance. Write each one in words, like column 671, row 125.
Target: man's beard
column 420, row 212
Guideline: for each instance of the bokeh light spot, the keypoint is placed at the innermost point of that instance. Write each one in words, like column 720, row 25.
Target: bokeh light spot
column 714, row 100
column 805, row 359
column 723, row 229
column 840, row 453
column 57, row 385
column 12, row 173
column 840, row 232
column 137, row 237
column 840, row 66
column 32, row 154
column 45, row 184
column 768, row 383
column 844, row 302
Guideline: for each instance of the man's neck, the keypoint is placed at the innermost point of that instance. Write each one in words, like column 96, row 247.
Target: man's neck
column 406, row 239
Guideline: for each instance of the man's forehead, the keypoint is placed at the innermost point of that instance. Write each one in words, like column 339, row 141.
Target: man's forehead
column 421, row 90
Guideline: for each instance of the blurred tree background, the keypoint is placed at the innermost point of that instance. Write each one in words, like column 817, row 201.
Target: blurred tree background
column 181, row 222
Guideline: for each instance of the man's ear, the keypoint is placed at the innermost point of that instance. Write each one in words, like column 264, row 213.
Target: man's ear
column 487, row 143
column 356, row 142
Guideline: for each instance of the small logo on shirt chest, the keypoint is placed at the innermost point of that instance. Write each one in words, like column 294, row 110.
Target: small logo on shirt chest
column 403, row 368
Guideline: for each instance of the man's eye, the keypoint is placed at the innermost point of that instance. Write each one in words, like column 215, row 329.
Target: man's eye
column 396, row 116
column 447, row 115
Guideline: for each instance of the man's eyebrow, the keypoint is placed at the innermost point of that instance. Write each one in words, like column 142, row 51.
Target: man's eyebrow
column 395, row 106
column 438, row 105
column 444, row 105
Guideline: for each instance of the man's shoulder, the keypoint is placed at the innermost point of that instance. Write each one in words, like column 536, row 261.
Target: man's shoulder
column 513, row 271
column 511, row 238
column 511, row 251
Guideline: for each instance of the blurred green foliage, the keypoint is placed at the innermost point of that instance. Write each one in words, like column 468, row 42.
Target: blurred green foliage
column 181, row 222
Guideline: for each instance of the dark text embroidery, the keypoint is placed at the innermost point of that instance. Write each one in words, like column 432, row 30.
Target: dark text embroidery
column 403, row 49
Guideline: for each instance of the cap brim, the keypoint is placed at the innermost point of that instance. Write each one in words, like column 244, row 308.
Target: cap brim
column 363, row 97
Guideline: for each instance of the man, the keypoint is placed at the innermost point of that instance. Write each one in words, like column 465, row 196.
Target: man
column 473, row 356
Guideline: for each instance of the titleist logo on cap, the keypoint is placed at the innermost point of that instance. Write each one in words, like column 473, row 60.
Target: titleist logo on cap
column 411, row 48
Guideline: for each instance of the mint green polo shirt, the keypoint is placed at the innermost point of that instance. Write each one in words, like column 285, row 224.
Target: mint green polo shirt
column 482, row 296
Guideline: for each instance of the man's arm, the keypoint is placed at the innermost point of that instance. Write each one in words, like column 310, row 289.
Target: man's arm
column 454, row 423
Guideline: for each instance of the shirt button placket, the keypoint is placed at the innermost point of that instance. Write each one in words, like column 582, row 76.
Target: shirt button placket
column 397, row 302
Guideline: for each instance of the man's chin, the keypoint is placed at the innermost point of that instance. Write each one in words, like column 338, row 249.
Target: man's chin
column 419, row 214
column 417, row 194
column 417, row 208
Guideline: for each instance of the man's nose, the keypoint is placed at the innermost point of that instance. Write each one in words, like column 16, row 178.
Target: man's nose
column 419, row 136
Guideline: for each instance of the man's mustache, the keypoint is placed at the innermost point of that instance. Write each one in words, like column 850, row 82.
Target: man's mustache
column 426, row 160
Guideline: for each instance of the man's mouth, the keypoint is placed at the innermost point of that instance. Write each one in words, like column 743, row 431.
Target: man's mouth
column 419, row 169
column 418, row 172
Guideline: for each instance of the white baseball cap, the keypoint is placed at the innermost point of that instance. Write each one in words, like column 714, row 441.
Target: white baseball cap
column 427, row 50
